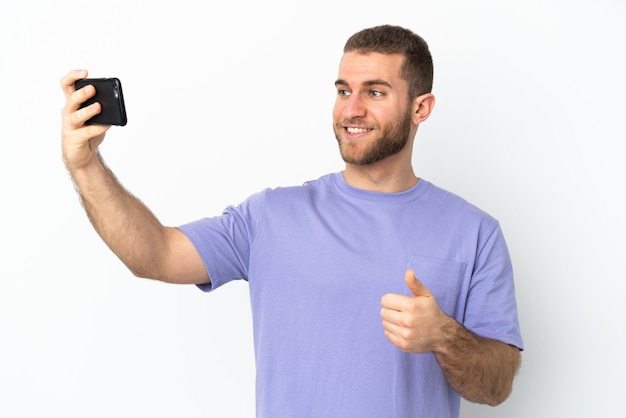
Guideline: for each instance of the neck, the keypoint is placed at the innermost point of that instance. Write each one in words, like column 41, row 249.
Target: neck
column 381, row 176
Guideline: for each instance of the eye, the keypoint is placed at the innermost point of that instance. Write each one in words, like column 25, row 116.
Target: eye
column 343, row 92
column 376, row 93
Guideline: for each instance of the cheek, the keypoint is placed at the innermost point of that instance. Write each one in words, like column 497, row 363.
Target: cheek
column 336, row 111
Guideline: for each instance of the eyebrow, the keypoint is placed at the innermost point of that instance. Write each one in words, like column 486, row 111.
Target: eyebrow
column 368, row 83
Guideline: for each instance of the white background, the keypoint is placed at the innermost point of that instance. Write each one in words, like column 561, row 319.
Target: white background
column 226, row 98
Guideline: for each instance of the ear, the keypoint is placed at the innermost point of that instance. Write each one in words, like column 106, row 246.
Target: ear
column 422, row 107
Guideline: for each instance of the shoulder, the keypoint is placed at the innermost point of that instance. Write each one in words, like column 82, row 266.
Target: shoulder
column 311, row 187
column 279, row 197
column 451, row 204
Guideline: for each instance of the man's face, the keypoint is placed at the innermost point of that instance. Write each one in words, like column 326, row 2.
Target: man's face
column 371, row 117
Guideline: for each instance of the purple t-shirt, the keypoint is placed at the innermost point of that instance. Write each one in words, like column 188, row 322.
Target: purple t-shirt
column 319, row 257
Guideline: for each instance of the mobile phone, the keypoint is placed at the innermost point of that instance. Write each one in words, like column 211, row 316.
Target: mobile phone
column 109, row 95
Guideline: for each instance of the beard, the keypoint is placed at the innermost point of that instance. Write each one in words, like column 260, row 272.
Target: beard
column 393, row 138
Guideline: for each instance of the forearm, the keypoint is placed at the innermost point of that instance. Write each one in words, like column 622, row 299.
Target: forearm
column 127, row 226
column 479, row 369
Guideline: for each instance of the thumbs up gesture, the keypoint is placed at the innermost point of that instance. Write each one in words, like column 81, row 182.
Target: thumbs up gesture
column 413, row 323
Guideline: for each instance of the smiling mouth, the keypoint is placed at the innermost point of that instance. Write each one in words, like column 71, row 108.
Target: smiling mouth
column 353, row 130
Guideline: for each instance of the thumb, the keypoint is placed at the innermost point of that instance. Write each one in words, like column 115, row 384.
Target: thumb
column 417, row 288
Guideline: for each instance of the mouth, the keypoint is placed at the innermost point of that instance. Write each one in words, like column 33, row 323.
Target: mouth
column 356, row 130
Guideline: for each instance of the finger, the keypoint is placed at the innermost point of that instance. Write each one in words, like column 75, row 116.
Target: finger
column 396, row 302
column 391, row 316
column 81, row 116
column 67, row 81
column 397, row 340
column 392, row 329
column 72, row 112
column 417, row 288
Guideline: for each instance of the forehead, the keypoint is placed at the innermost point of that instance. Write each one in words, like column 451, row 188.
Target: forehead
column 356, row 68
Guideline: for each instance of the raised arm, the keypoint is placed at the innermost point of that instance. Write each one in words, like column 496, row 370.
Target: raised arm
column 479, row 369
column 128, row 227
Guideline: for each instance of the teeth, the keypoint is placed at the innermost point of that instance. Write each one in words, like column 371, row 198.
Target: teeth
column 356, row 130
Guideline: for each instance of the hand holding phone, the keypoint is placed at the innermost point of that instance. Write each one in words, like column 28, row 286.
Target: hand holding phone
column 109, row 95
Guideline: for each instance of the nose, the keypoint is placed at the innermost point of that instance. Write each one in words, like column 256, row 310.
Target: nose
column 353, row 107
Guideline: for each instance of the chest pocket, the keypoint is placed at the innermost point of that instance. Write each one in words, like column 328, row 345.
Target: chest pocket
column 444, row 279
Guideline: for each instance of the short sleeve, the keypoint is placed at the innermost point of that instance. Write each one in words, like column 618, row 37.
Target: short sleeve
column 224, row 241
column 491, row 309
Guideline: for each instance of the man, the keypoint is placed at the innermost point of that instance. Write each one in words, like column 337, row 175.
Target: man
column 325, row 261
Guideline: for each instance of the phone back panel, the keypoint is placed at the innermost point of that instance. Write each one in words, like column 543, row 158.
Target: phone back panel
column 109, row 95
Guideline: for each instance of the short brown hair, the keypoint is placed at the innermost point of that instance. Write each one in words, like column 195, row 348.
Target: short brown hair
column 417, row 69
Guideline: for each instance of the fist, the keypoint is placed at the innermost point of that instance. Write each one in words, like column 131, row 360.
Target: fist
column 412, row 323
column 79, row 141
